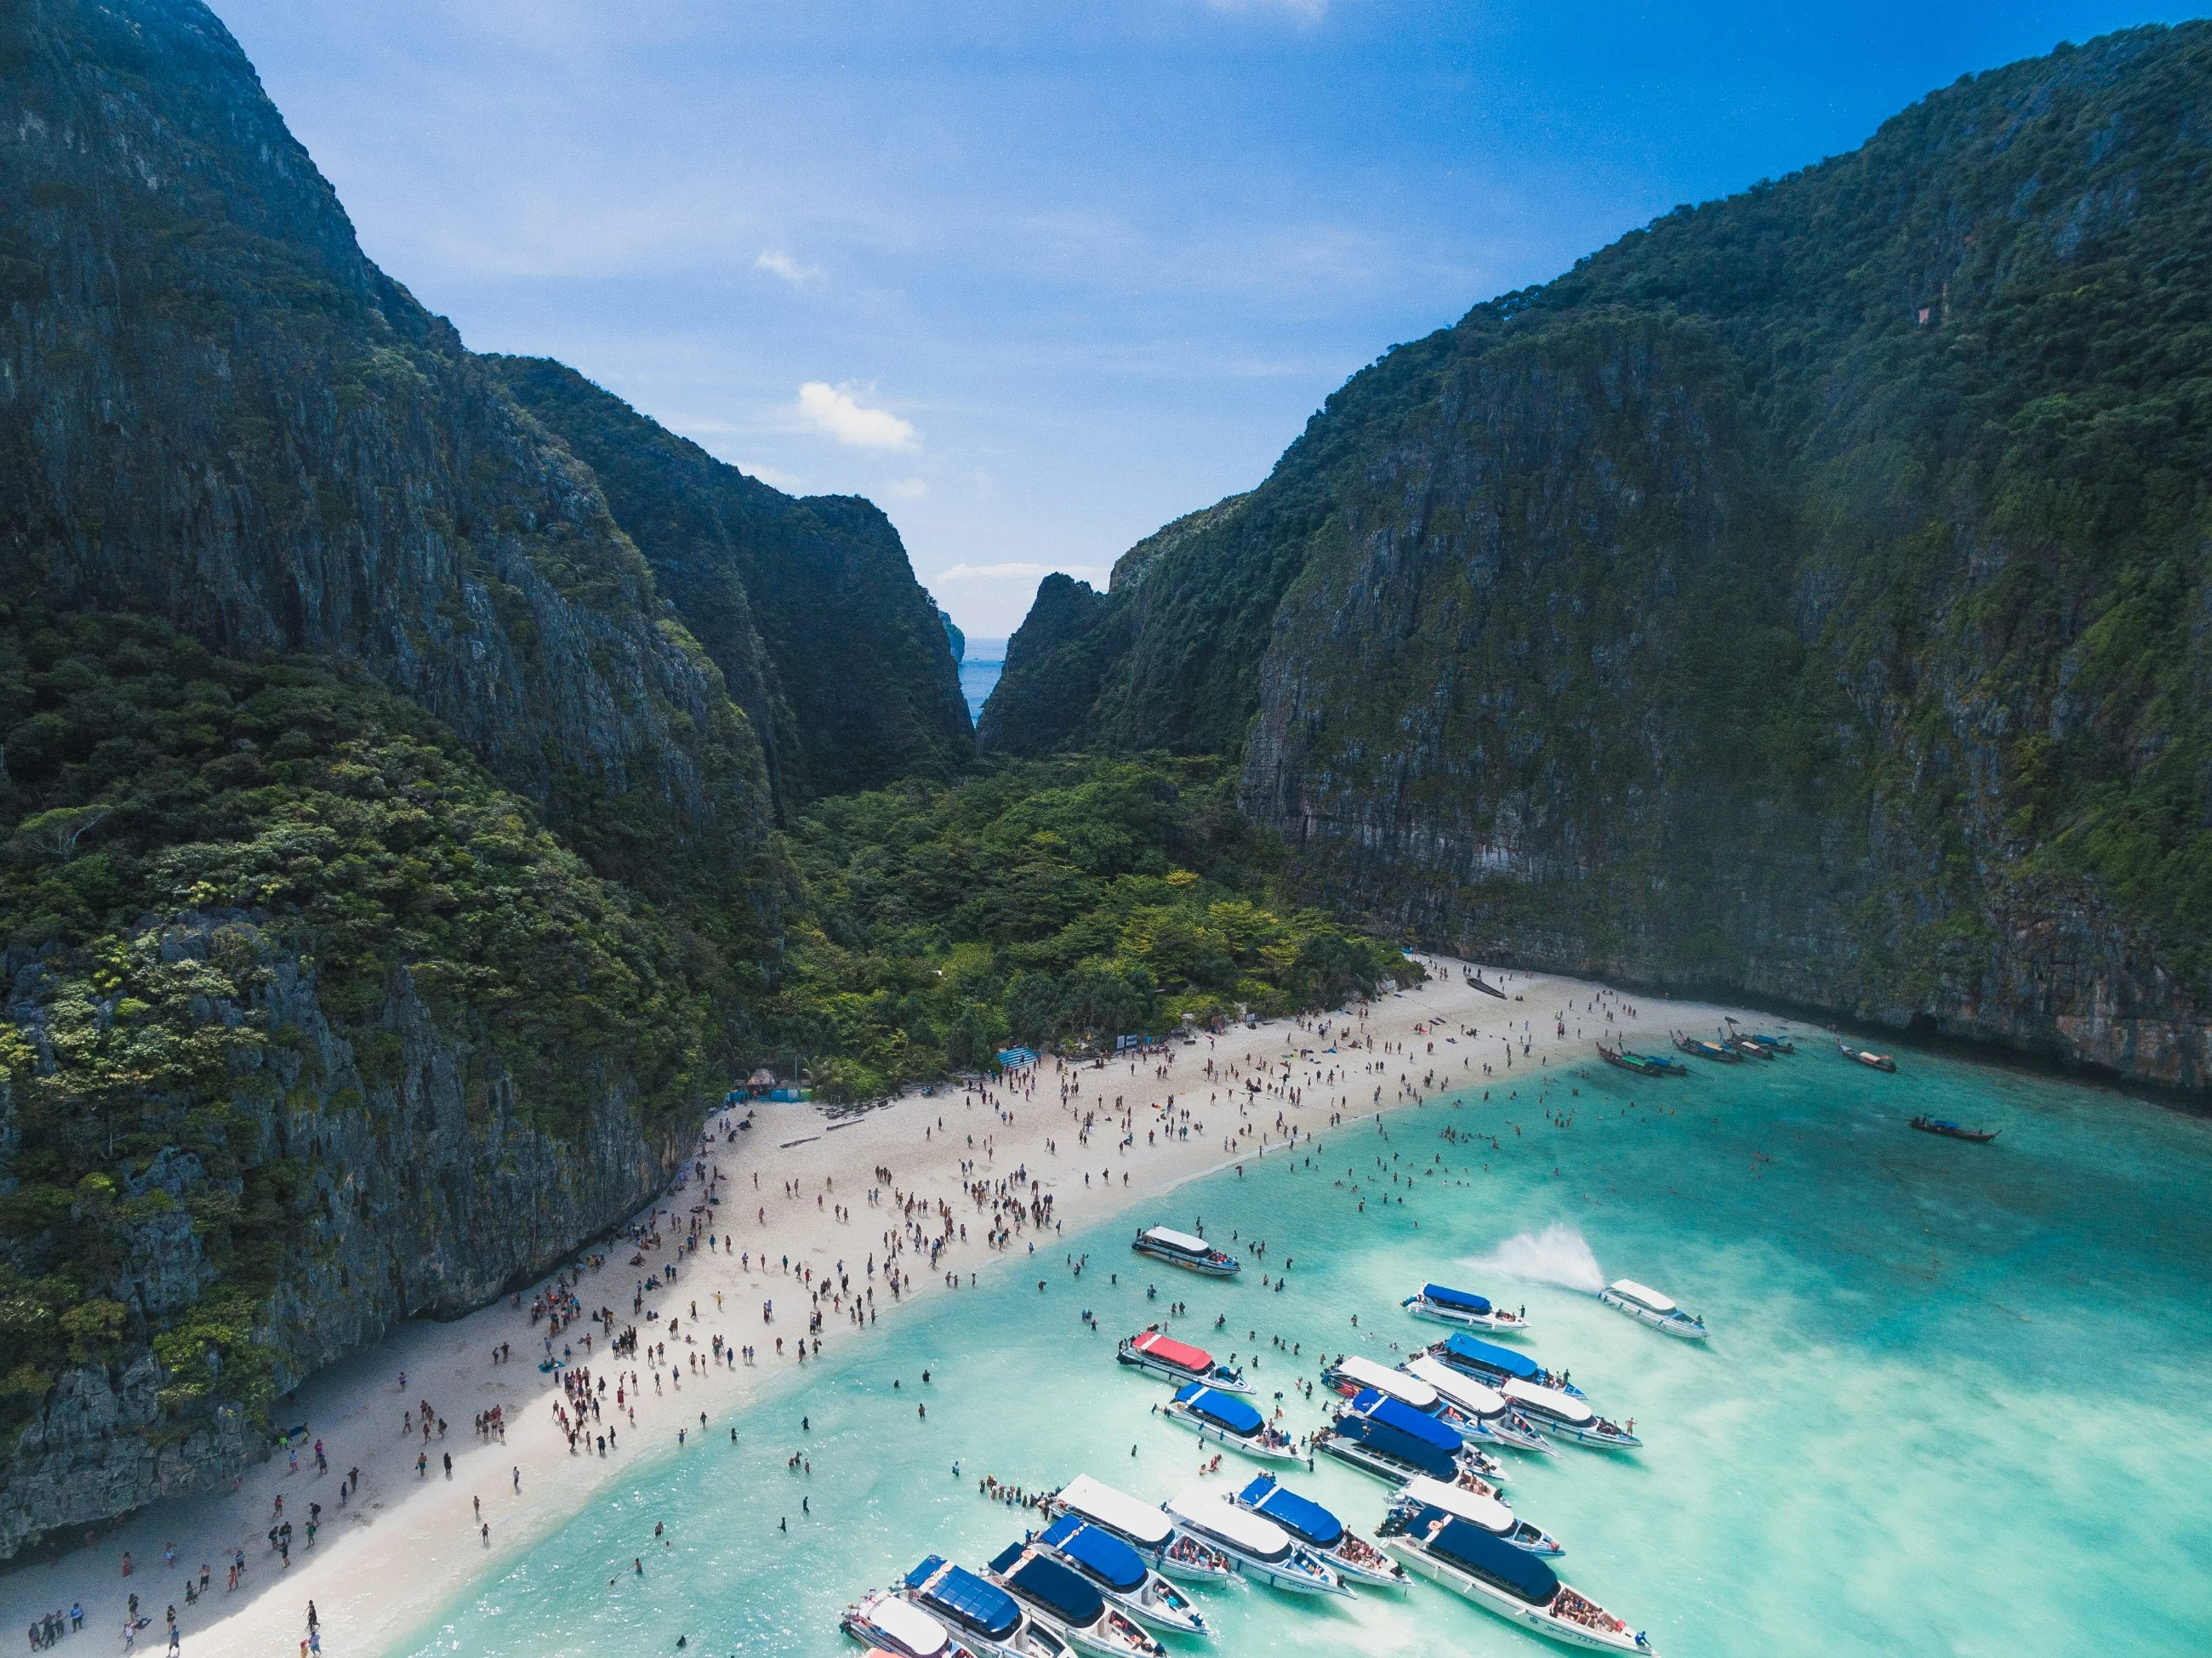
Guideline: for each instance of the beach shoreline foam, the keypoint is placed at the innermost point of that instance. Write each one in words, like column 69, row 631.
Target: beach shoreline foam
column 406, row 1544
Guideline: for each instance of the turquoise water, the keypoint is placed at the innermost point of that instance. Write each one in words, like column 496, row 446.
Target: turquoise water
column 1954, row 1400
column 979, row 673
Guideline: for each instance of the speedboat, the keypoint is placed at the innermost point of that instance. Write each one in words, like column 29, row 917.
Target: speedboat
column 1568, row 1418
column 1144, row 1528
column 1487, row 1512
column 1060, row 1595
column 1119, row 1573
column 1866, row 1056
column 1440, row 1305
column 1478, row 1408
column 1352, row 1374
column 1485, row 1569
column 1192, row 1255
column 1159, row 1354
column 887, row 1624
column 1352, row 1556
column 1647, row 1306
column 1262, row 1549
column 1228, row 1420
column 1389, row 1438
column 1487, row 1361
column 982, row 1615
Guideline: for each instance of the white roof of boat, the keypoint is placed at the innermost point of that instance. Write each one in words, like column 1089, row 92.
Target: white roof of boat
column 1487, row 1512
column 1461, row 1390
column 1384, row 1380
column 905, row 1623
column 1116, row 1510
column 1176, row 1240
column 1643, row 1292
column 1565, row 1406
column 1210, row 1512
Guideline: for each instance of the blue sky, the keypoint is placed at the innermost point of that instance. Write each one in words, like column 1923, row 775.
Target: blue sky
column 1038, row 279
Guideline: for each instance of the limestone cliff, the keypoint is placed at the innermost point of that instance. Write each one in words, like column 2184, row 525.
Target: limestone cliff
column 1806, row 596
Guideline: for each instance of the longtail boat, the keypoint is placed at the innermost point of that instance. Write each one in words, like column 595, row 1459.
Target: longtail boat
column 1878, row 1062
column 1699, row 1049
column 1953, row 1130
column 1644, row 1065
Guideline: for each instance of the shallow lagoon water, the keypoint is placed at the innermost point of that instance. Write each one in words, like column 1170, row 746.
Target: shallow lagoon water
column 1954, row 1400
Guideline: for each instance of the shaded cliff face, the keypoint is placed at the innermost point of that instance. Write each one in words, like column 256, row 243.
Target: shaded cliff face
column 215, row 409
column 308, row 1028
column 1806, row 596
column 809, row 607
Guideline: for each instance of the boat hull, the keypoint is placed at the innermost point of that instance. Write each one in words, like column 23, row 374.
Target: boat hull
column 1189, row 1263
column 1220, row 1436
column 1418, row 1561
column 1288, row 1579
column 1161, row 1606
column 1355, row 1454
column 1505, row 1324
column 1682, row 1329
column 1176, row 1375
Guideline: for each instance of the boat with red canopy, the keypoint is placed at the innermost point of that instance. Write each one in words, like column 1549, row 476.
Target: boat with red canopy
column 1157, row 1353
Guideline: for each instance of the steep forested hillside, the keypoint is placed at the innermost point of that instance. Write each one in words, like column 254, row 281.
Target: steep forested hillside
column 809, row 607
column 1806, row 595
column 391, row 878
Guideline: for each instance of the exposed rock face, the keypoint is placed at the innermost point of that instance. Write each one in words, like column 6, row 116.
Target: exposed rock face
column 1805, row 598
column 408, row 1186
column 215, row 409
column 809, row 607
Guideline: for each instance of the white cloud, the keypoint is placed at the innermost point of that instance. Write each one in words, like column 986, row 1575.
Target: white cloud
column 907, row 489
column 833, row 409
column 775, row 476
column 790, row 270
column 1015, row 572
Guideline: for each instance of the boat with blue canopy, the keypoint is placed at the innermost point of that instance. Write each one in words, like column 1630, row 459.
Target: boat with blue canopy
column 1142, row 1528
column 1441, row 1304
column 1119, row 1574
column 1484, row 1568
column 1487, row 1361
column 980, row 1613
column 1071, row 1603
column 1389, row 1438
column 1305, row 1520
column 1228, row 1420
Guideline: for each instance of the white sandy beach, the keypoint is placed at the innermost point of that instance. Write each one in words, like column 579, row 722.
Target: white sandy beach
column 404, row 1544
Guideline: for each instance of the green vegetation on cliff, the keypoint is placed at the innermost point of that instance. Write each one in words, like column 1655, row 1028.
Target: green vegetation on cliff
column 1804, row 595
column 1063, row 900
column 187, row 828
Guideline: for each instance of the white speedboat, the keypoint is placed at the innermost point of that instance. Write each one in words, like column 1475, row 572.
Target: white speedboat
column 1565, row 1416
column 1440, row 1304
column 1144, row 1528
column 887, row 1624
column 1228, row 1420
column 1055, row 1592
column 1474, row 1507
column 1157, row 1353
column 980, row 1615
column 1647, row 1306
column 1349, row 1374
column 1262, row 1549
column 1119, row 1574
column 1477, row 1407
column 1355, row 1559
column 1515, row 1584
column 1192, row 1255
column 1389, row 1438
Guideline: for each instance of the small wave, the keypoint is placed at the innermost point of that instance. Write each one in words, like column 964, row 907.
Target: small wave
column 1558, row 1255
